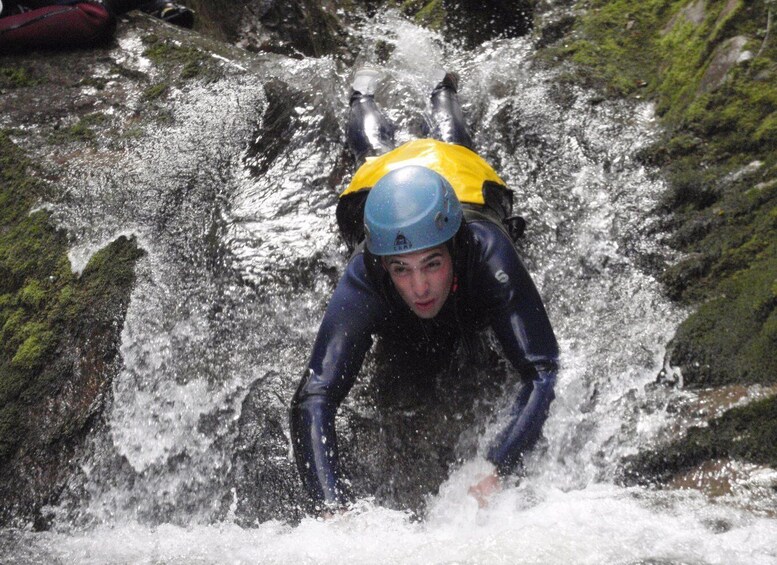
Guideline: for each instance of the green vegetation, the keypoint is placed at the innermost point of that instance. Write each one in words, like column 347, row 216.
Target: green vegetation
column 83, row 130
column 428, row 13
column 156, row 91
column 166, row 51
column 15, row 77
column 43, row 305
column 710, row 67
column 192, row 61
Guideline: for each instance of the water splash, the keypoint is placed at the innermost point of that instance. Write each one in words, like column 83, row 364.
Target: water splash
column 214, row 340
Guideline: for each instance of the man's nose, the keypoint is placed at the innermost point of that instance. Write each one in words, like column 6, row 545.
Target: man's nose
column 420, row 282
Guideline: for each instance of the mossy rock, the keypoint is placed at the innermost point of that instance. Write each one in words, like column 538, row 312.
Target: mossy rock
column 747, row 433
column 710, row 69
column 59, row 335
column 732, row 337
column 717, row 118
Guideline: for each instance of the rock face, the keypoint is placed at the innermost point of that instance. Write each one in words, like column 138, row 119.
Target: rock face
column 59, row 331
column 477, row 21
column 315, row 28
column 292, row 28
column 710, row 68
column 299, row 28
column 59, row 342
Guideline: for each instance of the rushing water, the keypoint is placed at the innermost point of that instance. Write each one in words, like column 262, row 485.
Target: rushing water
column 236, row 213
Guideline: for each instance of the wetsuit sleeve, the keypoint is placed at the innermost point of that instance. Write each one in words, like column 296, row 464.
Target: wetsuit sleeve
column 343, row 339
column 520, row 322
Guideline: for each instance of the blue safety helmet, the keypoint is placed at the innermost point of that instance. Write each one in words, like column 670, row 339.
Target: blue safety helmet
column 409, row 209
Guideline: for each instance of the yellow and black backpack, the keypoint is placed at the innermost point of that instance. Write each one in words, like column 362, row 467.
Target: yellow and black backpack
column 482, row 194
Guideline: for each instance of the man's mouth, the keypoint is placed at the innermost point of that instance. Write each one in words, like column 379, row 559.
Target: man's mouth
column 425, row 305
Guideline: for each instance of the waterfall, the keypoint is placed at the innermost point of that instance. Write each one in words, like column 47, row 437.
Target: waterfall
column 233, row 201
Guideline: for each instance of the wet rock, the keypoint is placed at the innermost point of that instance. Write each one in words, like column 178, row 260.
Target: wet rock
column 53, row 397
column 553, row 31
column 695, row 13
column 298, row 28
column 746, row 433
column 267, row 484
column 474, row 22
column 59, row 348
column 725, row 57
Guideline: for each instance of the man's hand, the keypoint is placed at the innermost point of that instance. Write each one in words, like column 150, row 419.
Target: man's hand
column 333, row 512
column 485, row 488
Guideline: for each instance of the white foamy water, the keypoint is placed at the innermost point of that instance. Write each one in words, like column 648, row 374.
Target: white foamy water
column 217, row 334
column 547, row 526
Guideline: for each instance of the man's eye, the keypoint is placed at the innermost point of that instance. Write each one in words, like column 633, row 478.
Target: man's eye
column 433, row 266
column 398, row 270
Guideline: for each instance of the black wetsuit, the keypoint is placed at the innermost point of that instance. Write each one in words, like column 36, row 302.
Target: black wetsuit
column 493, row 290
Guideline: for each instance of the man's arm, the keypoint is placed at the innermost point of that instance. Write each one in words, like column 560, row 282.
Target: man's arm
column 342, row 341
column 521, row 325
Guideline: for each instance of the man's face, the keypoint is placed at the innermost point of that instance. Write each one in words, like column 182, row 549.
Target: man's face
column 422, row 278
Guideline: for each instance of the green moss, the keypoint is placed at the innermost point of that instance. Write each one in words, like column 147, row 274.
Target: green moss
column 190, row 61
column 766, row 132
column 191, row 69
column 43, row 305
column 616, row 40
column 732, row 273
column 33, row 295
column 731, row 337
column 431, row 14
column 193, row 61
column 82, row 131
column 107, row 278
column 630, row 44
column 15, row 77
column 717, row 120
column 34, row 351
column 155, row 91
column 65, row 302
column 14, row 321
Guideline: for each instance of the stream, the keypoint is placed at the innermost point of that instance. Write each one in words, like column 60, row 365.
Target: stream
column 233, row 202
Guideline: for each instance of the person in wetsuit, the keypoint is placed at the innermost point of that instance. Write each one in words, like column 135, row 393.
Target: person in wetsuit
column 434, row 262
column 35, row 24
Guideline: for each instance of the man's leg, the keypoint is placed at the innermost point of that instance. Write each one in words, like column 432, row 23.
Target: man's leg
column 64, row 24
column 369, row 131
column 447, row 118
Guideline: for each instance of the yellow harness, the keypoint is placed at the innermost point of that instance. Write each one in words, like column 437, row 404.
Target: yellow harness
column 463, row 168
